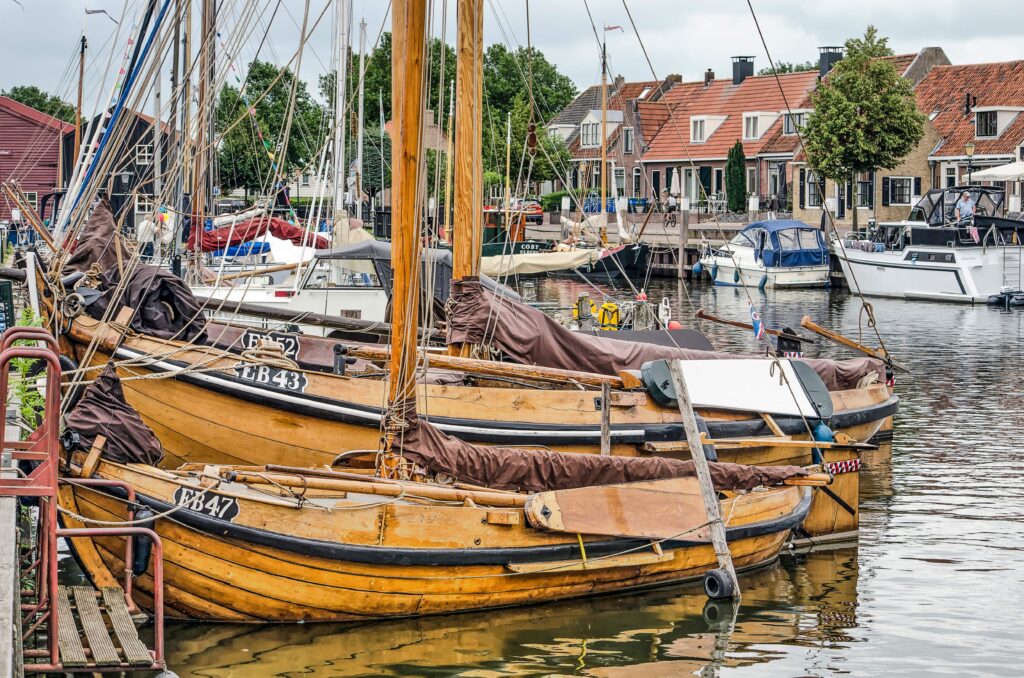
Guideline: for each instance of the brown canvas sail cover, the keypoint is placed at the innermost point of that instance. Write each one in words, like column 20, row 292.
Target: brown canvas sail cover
column 104, row 411
column 526, row 335
column 534, row 470
column 98, row 243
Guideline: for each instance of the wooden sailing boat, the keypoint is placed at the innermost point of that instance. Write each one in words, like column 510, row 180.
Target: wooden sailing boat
column 290, row 544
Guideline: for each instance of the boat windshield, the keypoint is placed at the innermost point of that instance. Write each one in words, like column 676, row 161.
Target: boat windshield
column 742, row 240
column 335, row 273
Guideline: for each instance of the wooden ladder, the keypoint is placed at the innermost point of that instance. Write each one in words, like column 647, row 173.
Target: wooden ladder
column 102, row 617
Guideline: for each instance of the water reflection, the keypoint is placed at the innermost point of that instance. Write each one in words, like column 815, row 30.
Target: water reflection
column 808, row 600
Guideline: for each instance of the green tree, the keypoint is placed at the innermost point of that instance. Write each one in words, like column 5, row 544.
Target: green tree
column 735, row 178
column 789, row 67
column 30, row 95
column 244, row 159
column 865, row 117
column 374, row 158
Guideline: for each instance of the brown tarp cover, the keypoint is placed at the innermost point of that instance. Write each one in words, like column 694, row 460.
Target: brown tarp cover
column 97, row 243
column 250, row 229
column 103, row 411
column 524, row 334
column 164, row 306
column 533, row 470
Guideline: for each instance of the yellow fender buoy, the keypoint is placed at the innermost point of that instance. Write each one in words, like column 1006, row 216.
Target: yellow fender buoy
column 608, row 316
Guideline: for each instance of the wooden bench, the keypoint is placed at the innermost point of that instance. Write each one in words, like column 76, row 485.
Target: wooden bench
column 102, row 617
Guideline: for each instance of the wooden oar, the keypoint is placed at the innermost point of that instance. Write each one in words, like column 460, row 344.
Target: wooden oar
column 261, row 271
column 879, row 353
column 704, row 315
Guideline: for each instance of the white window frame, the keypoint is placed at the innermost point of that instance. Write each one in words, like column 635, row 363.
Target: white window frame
column 627, row 140
column 305, row 179
column 144, row 205
column 892, row 191
column 33, row 199
column 695, row 125
column 619, row 175
column 812, row 181
column 143, row 153
column 751, row 121
column 638, row 182
column 951, row 173
column 752, row 181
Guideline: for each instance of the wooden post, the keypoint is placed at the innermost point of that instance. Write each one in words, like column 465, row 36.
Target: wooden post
column 606, row 419
column 707, row 489
column 684, row 239
column 78, row 104
column 407, row 64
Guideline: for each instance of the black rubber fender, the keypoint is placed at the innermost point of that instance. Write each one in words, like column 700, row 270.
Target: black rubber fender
column 718, row 585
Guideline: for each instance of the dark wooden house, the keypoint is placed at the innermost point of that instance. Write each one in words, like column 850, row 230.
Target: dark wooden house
column 29, row 151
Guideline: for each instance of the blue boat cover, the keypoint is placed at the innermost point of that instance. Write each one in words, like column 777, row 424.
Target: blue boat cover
column 245, row 249
column 785, row 243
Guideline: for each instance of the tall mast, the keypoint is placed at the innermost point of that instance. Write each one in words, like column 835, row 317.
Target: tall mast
column 359, row 124
column 468, row 142
column 447, row 232
column 340, row 85
column 158, row 158
column 604, row 144
column 78, row 105
column 508, row 177
column 199, row 178
column 407, row 78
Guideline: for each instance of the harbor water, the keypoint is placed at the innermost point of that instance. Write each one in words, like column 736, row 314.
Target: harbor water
column 934, row 586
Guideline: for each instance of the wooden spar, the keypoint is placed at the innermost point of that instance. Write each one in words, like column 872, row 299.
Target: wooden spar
column 704, row 315
column 407, row 64
column 359, row 115
column 261, row 271
column 18, row 197
column 879, row 353
column 603, row 221
column 707, row 488
column 78, row 104
column 468, row 102
column 447, row 232
column 508, row 177
column 200, row 151
column 494, row 368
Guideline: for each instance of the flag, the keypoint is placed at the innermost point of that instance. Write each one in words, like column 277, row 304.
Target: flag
column 755, row 321
column 613, row 28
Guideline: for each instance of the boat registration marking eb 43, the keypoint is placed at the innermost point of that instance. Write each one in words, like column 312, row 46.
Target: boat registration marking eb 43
column 275, row 377
column 213, row 505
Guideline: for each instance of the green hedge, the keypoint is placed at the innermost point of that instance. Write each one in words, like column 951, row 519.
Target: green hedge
column 552, row 202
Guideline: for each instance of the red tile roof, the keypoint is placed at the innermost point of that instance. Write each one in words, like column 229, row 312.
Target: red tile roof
column 941, row 97
column 722, row 98
column 577, row 152
column 29, row 113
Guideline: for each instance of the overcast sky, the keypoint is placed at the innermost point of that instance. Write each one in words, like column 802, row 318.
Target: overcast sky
column 38, row 38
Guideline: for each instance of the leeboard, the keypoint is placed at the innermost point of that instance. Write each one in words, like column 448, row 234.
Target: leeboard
column 655, row 509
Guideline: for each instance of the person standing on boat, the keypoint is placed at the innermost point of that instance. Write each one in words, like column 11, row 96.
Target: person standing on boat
column 964, row 213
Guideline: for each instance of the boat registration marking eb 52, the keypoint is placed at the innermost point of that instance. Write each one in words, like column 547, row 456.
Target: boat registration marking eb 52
column 213, row 505
column 275, row 377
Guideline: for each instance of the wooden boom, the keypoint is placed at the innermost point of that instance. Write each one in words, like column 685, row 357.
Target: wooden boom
column 879, row 353
column 704, row 315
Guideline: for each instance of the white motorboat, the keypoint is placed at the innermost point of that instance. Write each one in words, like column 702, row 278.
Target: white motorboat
column 931, row 256
column 778, row 253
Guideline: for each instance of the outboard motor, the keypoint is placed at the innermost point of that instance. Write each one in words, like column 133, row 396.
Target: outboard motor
column 787, row 345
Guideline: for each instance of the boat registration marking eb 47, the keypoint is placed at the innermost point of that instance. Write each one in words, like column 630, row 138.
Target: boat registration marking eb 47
column 275, row 377
column 215, row 506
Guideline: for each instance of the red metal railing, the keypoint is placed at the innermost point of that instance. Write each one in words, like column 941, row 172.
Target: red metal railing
column 43, row 448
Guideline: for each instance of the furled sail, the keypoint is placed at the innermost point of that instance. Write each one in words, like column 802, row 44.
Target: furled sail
column 526, row 335
column 250, row 229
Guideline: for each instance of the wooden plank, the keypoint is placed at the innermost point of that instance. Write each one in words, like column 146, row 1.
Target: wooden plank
column 770, row 421
column 660, row 509
column 135, row 651
column 625, row 560
column 879, row 353
column 103, row 651
column 700, row 462
column 72, row 654
column 606, row 419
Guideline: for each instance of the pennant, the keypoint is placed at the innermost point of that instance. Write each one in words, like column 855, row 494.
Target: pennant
column 755, row 321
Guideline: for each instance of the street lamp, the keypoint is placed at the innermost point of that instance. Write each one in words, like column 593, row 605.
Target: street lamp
column 969, row 152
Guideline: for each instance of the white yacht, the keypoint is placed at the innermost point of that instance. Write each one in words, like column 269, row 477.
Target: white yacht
column 778, row 253
column 931, row 256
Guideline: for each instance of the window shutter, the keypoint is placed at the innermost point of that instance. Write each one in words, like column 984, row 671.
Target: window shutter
column 849, row 194
column 917, row 185
column 871, row 191
column 803, row 187
column 885, row 191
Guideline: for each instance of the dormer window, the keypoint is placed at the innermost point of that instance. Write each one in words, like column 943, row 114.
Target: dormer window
column 590, row 135
column 750, row 130
column 987, row 124
column 792, row 122
column 697, row 131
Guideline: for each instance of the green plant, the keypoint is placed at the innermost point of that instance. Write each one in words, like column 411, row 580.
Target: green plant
column 552, row 202
column 31, row 401
column 735, row 178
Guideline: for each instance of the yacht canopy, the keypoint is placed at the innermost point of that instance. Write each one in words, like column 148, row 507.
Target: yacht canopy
column 785, row 243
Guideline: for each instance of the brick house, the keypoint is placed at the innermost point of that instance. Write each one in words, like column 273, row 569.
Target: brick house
column 690, row 148
column 29, row 151
column 884, row 195
column 979, row 104
column 579, row 125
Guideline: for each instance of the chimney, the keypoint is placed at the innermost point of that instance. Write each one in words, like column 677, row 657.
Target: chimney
column 674, row 77
column 742, row 68
column 709, row 77
column 827, row 58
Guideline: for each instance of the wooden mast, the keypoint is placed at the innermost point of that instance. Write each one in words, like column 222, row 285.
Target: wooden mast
column 468, row 222
column 408, row 25
column 604, row 145
column 78, row 105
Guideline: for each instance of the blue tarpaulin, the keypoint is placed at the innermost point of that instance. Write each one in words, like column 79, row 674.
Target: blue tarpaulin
column 786, row 244
column 245, row 249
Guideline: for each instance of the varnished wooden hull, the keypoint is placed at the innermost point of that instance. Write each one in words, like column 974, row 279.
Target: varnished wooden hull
column 451, row 558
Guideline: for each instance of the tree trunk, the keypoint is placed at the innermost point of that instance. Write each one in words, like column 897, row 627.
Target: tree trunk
column 853, row 198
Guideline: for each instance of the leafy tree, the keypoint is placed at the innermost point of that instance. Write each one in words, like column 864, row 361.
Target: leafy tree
column 244, row 160
column 735, row 178
column 789, row 67
column 374, row 157
column 30, row 95
column 865, row 117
